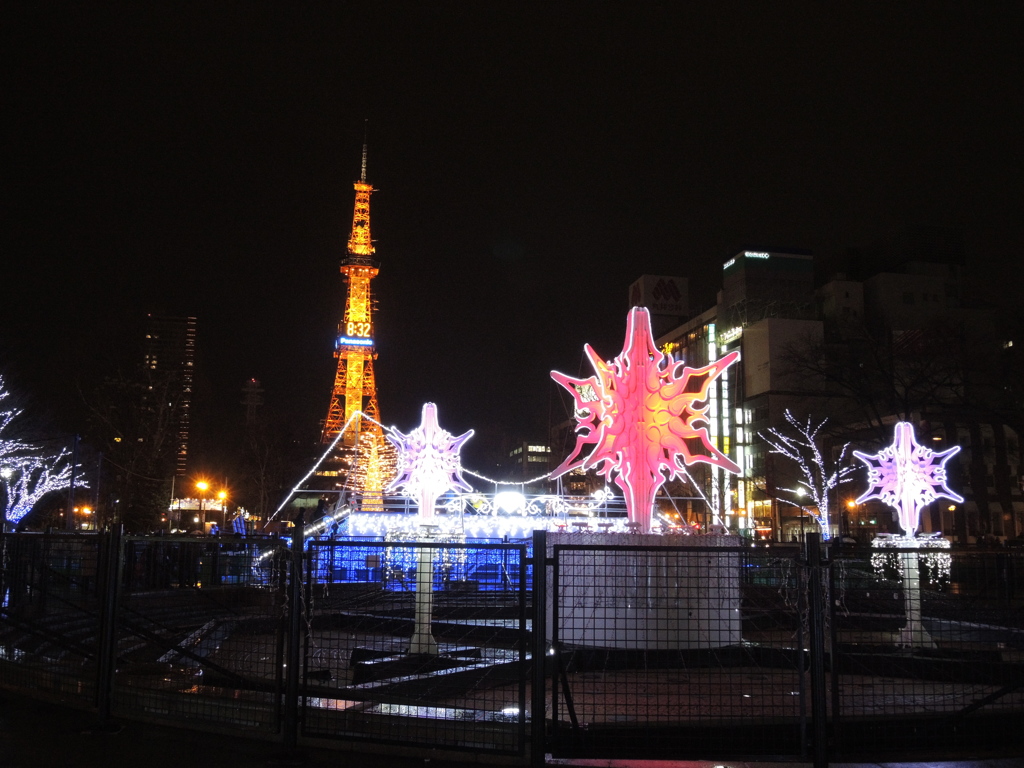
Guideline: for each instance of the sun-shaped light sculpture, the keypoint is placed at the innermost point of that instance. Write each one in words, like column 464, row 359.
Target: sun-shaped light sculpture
column 644, row 415
column 907, row 476
column 428, row 461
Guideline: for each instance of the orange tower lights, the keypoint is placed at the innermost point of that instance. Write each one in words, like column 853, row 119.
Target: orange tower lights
column 355, row 389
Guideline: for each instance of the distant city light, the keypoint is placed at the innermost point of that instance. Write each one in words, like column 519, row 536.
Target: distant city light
column 509, row 501
column 733, row 333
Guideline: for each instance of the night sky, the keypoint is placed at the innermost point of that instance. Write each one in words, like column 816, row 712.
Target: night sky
column 532, row 160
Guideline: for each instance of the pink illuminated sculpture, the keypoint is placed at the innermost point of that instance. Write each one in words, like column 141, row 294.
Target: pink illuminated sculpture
column 907, row 476
column 642, row 415
column 428, row 461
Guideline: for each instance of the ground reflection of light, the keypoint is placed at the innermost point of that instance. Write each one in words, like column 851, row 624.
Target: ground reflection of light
column 508, row 715
column 10, row 653
column 446, row 713
column 335, row 704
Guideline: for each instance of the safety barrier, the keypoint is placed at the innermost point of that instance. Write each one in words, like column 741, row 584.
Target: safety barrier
column 570, row 644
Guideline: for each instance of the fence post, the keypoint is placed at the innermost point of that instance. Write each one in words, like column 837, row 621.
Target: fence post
column 816, row 610
column 106, row 651
column 292, row 672
column 538, row 700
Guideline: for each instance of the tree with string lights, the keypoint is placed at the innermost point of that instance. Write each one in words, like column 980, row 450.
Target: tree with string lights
column 32, row 479
column 820, row 476
column 27, row 473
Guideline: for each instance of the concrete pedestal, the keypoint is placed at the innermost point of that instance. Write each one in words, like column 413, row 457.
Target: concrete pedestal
column 612, row 596
column 422, row 641
column 913, row 633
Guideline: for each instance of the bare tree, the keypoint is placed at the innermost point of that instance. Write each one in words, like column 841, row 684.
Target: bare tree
column 877, row 373
column 820, row 475
column 134, row 421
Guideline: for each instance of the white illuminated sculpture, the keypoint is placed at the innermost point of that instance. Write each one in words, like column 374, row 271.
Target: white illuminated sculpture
column 907, row 476
column 428, row 466
column 428, row 461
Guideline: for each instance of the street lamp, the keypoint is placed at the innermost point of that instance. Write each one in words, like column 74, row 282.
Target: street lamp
column 85, row 524
column 222, row 496
column 202, row 486
column 800, row 493
column 6, row 473
column 850, row 505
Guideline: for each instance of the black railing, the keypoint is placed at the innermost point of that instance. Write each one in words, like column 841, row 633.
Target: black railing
column 567, row 644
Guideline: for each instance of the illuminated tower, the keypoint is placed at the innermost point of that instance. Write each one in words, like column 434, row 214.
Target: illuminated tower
column 365, row 456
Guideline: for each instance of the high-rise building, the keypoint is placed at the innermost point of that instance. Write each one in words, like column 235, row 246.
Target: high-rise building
column 169, row 350
column 770, row 309
column 770, row 293
column 365, row 461
column 528, row 460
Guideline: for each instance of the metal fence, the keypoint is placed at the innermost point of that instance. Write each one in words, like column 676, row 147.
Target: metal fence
column 928, row 651
column 201, row 631
column 418, row 643
column 51, row 591
column 645, row 646
column 663, row 648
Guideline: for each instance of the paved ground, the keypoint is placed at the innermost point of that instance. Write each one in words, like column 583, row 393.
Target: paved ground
column 35, row 734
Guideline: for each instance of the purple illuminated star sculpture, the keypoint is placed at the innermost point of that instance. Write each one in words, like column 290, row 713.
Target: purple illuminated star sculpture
column 428, row 461
column 644, row 417
column 907, row 476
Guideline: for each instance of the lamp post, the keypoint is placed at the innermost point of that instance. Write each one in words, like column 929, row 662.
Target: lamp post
column 202, row 486
column 85, row 524
column 6, row 473
column 800, row 492
column 222, row 497
column 429, row 466
column 851, row 505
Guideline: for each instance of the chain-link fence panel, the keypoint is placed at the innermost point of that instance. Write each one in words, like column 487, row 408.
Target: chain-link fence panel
column 928, row 650
column 418, row 643
column 668, row 646
column 51, row 590
column 202, row 631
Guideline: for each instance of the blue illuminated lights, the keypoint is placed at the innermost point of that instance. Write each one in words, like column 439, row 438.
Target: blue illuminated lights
column 347, row 341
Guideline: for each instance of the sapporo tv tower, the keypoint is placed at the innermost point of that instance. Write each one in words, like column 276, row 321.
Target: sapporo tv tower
column 365, row 462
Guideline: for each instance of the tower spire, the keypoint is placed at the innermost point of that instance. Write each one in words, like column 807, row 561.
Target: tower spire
column 367, row 458
column 360, row 245
column 362, row 175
